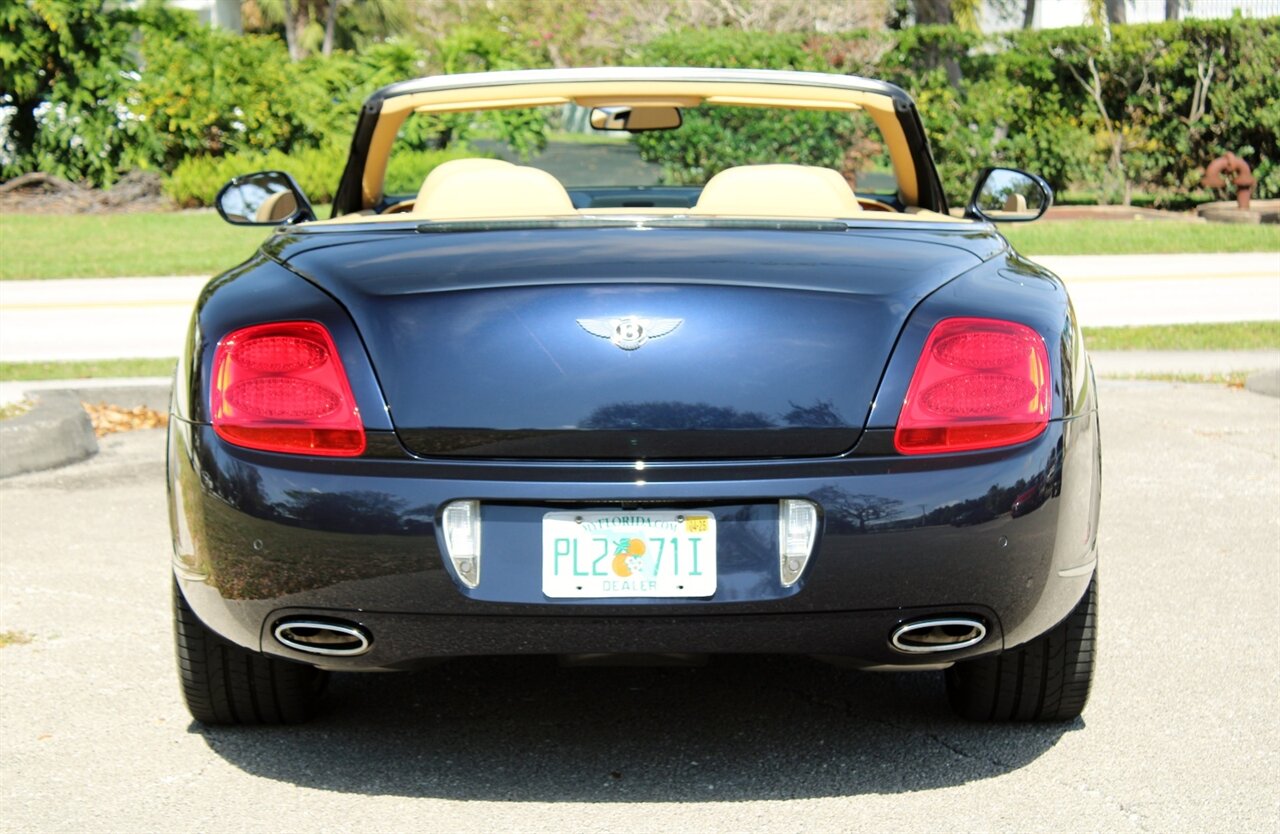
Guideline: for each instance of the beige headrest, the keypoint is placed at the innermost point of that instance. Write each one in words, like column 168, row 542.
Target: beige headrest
column 444, row 170
column 1015, row 202
column 778, row 191
column 509, row 191
column 275, row 208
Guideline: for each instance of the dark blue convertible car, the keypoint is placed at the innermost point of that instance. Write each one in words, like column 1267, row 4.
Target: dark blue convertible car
column 790, row 409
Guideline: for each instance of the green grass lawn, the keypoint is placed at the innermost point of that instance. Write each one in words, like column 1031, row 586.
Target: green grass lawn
column 1135, row 237
column 1245, row 335
column 200, row 243
column 111, row 245
column 86, row 369
column 1231, row 379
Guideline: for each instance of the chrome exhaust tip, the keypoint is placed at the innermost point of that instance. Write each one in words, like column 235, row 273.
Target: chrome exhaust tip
column 938, row 635
column 323, row 637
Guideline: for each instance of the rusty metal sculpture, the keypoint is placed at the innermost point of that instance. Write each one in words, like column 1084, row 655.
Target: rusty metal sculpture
column 1241, row 177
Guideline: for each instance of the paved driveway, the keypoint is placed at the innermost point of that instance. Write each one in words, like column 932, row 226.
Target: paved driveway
column 1181, row 735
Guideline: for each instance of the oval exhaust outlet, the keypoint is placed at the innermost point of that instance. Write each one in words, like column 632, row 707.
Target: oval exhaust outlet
column 323, row 637
column 938, row 635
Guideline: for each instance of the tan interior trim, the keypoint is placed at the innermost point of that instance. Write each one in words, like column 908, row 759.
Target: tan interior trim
column 375, row 165
column 603, row 93
column 757, row 101
column 638, row 101
column 917, row 213
column 598, row 93
column 865, row 218
column 494, row 104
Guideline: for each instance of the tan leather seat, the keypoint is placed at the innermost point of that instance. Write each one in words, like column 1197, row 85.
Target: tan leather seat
column 494, row 191
column 444, row 170
column 778, row 191
column 277, row 207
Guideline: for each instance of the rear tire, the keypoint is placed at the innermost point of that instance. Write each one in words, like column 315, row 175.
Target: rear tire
column 223, row 683
column 1047, row 679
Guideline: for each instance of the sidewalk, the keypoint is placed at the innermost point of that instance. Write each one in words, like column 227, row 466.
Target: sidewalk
column 95, row 318
column 1120, row 363
column 1111, row 290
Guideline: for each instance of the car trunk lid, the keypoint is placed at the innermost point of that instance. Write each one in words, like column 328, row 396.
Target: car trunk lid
column 629, row 343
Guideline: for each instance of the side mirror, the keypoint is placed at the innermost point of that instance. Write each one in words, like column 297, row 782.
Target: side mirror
column 267, row 198
column 1005, row 195
column 636, row 119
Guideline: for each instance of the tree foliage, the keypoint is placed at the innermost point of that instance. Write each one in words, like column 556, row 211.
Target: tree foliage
column 90, row 89
column 67, row 92
column 1143, row 107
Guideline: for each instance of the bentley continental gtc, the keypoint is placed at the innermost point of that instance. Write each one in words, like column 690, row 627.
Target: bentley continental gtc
column 656, row 402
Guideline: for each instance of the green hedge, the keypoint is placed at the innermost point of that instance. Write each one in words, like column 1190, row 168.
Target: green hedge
column 1173, row 96
column 712, row 139
column 196, row 180
column 93, row 88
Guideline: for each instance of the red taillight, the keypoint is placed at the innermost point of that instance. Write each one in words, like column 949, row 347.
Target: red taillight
column 980, row 383
column 281, row 388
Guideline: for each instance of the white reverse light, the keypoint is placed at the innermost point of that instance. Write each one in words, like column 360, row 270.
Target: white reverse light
column 797, row 529
column 461, row 523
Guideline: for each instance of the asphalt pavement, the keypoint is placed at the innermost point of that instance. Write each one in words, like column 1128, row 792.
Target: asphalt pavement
column 147, row 317
column 1181, row 733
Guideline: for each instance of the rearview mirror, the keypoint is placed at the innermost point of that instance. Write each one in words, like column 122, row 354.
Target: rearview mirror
column 1006, row 195
column 636, row 119
column 266, row 198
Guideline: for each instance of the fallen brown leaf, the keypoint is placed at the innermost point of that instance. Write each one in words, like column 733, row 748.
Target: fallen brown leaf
column 109, row 419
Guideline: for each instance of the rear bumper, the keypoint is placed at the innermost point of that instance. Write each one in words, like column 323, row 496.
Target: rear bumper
column 1007, row 537
column 403, row 641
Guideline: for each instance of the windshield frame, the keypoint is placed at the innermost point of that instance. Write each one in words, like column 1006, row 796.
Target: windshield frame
column 889, row 106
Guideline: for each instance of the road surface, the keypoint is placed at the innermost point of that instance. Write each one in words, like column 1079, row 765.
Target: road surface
column 1181, row 733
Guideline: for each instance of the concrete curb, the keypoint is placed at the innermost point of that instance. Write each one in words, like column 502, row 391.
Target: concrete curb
column 1265, row 382
column 57, row 431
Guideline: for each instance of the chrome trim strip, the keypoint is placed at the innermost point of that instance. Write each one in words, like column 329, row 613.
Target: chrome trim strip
column 895, row 640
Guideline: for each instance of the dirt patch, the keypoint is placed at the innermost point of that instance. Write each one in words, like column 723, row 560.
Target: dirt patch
column 41, row 193
column 110, row 419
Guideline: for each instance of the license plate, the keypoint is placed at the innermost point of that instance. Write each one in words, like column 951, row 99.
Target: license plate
column 629, row 553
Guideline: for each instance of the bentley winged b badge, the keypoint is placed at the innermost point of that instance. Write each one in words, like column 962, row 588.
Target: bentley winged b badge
column 629, row 332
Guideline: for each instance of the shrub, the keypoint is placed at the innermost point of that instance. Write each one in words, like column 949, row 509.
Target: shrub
column 1147, row 107
column 712, row 139
column 211, row 92
column 196, row 180
column 66, row 104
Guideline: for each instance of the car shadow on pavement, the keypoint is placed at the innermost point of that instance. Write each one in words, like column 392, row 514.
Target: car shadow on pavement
column 741, row 728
